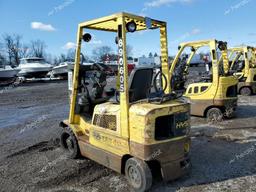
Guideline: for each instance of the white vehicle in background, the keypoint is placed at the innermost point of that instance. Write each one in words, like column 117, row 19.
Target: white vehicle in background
column 197, row 60
column 147, row 61
column 8, row 74
column 61, row 70
column 33, row 67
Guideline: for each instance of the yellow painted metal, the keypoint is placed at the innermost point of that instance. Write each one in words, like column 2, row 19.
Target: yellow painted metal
column 124, row 95
column 190, row 89
column 107, row 139
column 75, row 76
column 108, row 23
column 164, row 56
column 134, row 121
column 247, row 75
column 111, row 142
column 189, row 60
column 143, row 116
column 253, row 57
column 196, row 45
column 239, row 54
column 217, row 89
column 247, row 54
column 224, row 55
column 215, row 65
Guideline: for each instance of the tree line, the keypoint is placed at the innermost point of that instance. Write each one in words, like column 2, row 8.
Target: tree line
column 12, row 49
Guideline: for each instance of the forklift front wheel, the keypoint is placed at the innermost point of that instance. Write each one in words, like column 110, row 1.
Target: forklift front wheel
column 214, row 115
column 138, row 174
column 69, row 143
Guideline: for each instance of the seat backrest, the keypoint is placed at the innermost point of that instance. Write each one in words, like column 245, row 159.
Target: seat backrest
column 140, row 82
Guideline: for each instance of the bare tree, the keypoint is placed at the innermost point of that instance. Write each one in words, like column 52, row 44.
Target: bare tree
column 24, row 51
column 2, row 56
column 48, row 58
column 38, row 48
column 129, row 49
column 201, row 55
column 55, row 60
column 13, row 46
column 100, row 53
column 2, row 59
column 71, row 55
column 62, row 58
column 8, row 44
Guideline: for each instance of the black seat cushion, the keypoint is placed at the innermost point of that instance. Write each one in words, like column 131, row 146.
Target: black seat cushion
column 140, row 83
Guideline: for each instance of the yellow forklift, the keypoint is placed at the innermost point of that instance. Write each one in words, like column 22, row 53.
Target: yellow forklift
column 139, row 132
column 243, row 66
column 213, row 94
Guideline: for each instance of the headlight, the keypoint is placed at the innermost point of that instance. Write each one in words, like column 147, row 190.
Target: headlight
column 87, row 37
column 131, row 26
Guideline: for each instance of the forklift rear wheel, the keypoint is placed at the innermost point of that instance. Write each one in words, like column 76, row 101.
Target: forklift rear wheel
column 214, row 115
column 69, row 143
column 246, row 91
column 138, row 174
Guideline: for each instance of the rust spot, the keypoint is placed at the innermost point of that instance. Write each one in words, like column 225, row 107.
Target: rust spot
column 79, row 133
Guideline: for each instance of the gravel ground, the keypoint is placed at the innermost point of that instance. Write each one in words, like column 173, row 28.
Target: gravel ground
column 223, row 155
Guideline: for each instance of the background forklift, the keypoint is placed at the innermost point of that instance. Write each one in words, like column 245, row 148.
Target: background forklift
column 214, row 95
column 243, row 66
column 139, row 132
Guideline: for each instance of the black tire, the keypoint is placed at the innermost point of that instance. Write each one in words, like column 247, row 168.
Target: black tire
column 138, row 174
column 214, row 115
column 69, row 143
column 245, row 91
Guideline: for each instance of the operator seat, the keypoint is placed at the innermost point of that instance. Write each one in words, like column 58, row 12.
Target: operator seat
column 140, row 83
column 240, row 66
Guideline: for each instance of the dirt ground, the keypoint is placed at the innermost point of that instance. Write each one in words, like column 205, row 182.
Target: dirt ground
column 223, row 155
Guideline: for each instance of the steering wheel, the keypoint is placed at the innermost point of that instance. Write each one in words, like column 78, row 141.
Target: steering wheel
column 82, row 58
column 158, row 86
column 117, row 96
column 239, row 75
